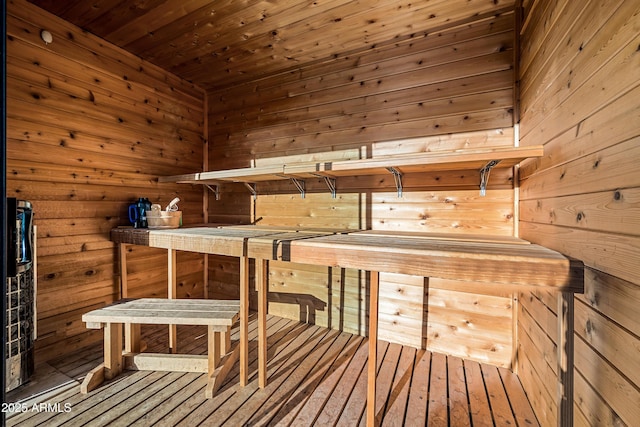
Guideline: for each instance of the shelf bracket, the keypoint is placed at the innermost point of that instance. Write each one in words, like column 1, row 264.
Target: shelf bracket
column 397, row 177
column 484, row 176
column 299, row 183
column 331, row 184
column 252, row 189
column 215, row 190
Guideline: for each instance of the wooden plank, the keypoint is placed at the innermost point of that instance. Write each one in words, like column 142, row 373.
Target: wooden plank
column 302, row 354
column 117, row 405
column 211, row 240
column 524, row 414
column 112, row 350
column 303, row 374
column 599, row 171
column 478, row 402
column 217, row 376
column 218, row 319
column 93, row 379
column 500, row 407
column 155, row 404
column 459, row 414
column 318, row 401
column 244, row 320
column 616, row 393
column 613, row 42
column 565, row 358
column 384, row 382
column 301, row 346
column 374, row 281
column 192, row 410
column 589, row 211
column 355, row 406
column 518, row 264
column 419, row 393
column 437, row 412
column 165, row 362
column 337, row 402
column 447, row 236
column 132, row 342
column 396, row 410
column 424, row 162
column 288, row 410
column 262, row 278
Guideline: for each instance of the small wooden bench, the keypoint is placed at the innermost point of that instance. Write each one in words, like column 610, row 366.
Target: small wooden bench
column 217, row 315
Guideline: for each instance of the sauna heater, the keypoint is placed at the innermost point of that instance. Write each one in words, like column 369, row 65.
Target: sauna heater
column 21, row 289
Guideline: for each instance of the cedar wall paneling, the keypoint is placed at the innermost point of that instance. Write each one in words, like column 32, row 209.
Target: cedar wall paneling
column 449, row 90
column 581, row 99
column 90, row 127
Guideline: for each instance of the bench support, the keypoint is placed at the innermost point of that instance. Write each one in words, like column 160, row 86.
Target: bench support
column 216, row 364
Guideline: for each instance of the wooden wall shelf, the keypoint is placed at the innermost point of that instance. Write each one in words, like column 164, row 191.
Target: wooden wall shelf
column 482, row 160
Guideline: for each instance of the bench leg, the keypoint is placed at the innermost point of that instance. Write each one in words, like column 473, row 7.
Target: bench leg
column 132, row 338
column 94, row 378
column 218, row 367
column 244, row 321
column 226, row 341
column 113, row 361
column 112, row 350
column 214, row 350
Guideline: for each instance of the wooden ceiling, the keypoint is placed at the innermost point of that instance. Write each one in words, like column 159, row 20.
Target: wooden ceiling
column 217, row 43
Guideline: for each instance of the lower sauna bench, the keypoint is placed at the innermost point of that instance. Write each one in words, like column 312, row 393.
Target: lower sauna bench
column 316, row 376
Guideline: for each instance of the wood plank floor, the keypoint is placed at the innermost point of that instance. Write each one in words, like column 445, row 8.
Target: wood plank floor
column 316, row 377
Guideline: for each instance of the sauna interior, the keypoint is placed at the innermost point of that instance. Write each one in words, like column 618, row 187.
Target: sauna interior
column 126, row 94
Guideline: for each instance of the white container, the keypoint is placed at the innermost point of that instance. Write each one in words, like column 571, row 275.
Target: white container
column 164, row 219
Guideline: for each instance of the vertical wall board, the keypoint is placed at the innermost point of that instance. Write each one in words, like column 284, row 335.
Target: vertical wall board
column 90, row 128
column 449, row 90
column 580, row 199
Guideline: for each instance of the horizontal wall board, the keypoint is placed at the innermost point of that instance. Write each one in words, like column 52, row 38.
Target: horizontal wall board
column 542, row 400
column 90, row 128
column 615, row 344
column 90, row 50
column 576, row 97
column 606, row 170
column 575, row 26
column 614, row 254
column 489, row 119
column 448, row 90
column 614, row 298
column 616, row 390
column 600, row 131
column 615, row 211
column 591, row 406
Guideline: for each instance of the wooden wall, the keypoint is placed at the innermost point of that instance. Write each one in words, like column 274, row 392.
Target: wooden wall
column 581, row 99
column 90, row 127
column 451, row 89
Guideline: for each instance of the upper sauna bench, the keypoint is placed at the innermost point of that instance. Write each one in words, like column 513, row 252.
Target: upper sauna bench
column 481, row 159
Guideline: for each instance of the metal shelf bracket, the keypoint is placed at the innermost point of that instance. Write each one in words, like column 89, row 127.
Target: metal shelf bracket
column 252, row 189
column 397, row 177
column 299, row 183
column 484, row 176
column 331, row 184
column 215, row 190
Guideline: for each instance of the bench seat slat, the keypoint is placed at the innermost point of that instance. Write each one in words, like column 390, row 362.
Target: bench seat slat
column 174, row 307
column 162, row 318
column 155, row 311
